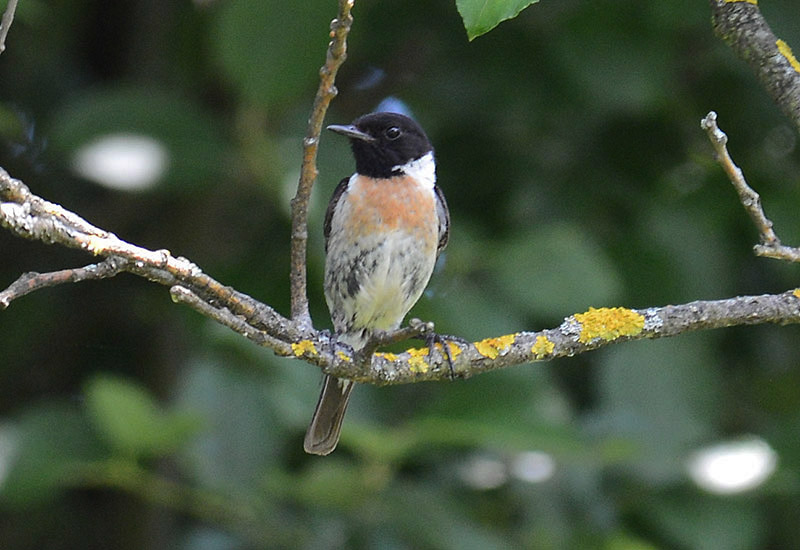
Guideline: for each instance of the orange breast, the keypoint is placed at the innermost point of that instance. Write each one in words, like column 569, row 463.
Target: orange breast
column 398, row 203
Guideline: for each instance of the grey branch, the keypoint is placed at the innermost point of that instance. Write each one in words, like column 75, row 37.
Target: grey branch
column 770, row 245
column 32, row 217
column 741, row 25
column 29, row 216
column 5, row 23
column 31, row 282
column 337, row 53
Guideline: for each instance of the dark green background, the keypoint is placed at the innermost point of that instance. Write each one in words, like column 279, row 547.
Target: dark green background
column 569, row 149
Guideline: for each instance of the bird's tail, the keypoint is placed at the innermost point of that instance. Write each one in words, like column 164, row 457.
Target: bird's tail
column 326, row 424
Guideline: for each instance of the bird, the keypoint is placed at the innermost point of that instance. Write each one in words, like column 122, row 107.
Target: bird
column 384, row 229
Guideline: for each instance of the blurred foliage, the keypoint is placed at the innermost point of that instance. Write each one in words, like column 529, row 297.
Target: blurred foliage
column 570, row 152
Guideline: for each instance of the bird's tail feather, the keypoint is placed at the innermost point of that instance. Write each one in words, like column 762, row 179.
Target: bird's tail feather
column 326, row 424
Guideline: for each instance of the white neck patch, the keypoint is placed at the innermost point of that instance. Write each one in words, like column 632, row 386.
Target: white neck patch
column 422, row 170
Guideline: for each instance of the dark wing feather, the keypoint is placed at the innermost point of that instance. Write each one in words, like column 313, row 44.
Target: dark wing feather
column 444, row 219
column 337, row 194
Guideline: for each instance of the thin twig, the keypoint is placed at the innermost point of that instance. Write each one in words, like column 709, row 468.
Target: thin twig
column 337, row 52
column 224, row 317
column 32, row 281
column 770, row 245
column 5, row 23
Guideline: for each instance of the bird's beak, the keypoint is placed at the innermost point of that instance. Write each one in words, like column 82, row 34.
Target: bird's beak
column 350, row 131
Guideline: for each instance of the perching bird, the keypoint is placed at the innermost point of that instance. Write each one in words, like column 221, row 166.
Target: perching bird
column 384, row 229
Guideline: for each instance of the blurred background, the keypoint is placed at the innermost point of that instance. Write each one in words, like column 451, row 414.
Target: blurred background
column 570, row 152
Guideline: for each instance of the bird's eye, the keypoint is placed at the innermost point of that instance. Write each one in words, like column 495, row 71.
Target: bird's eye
column 392, row 132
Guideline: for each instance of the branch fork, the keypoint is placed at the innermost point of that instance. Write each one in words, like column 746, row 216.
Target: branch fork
column 770, row 245
column 32, row 217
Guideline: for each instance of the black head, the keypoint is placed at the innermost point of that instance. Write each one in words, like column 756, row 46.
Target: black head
column 383, row 141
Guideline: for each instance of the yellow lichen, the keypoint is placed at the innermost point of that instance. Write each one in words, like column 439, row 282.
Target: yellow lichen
column 455, row 350
column 343, row 356
column 387, row 356
column 417, row 360
column 95, row 245
column 608, row 323
column 542, row 347
column 754, row 2
column 304, row 347
column 796, row 293
column 492, row 347
column 786, row 52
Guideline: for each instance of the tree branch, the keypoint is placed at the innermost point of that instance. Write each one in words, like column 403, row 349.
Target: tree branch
column 770, row 245
column 5, row 23
column 739, row 24
column 29, row 216
column 32, row 281
column 32, row 217
column 337, row 52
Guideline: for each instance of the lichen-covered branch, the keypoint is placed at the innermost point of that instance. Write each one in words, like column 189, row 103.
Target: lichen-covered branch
column 578, row 333
column 770, row 245
column 337, row 52
column 740, row 24
column 29, row 216
column 32, row 217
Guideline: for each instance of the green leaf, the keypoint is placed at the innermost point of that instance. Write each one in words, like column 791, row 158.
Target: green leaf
column 481, row 16
column 130, row 420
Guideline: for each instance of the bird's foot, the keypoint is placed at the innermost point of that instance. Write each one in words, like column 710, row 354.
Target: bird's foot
column 432, row 338
column 423, row 330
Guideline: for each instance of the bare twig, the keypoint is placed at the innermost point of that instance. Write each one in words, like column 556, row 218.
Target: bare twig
column 337, row 52
column 770, row 245
column 5, row 23
column 32, row 217
column 224, row 317
column 740, row 24
column 29, row 216
column 31, row 282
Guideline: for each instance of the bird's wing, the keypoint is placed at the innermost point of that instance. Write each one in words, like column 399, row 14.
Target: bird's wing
column 337, row 194
column 443, row 214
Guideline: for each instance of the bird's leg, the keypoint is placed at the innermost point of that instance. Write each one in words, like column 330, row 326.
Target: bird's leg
column 416, row 329
column 380, row 338
column 334, row 342
column 426, row 332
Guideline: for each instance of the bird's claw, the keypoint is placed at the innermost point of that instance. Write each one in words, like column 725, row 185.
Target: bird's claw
column 426, row 331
